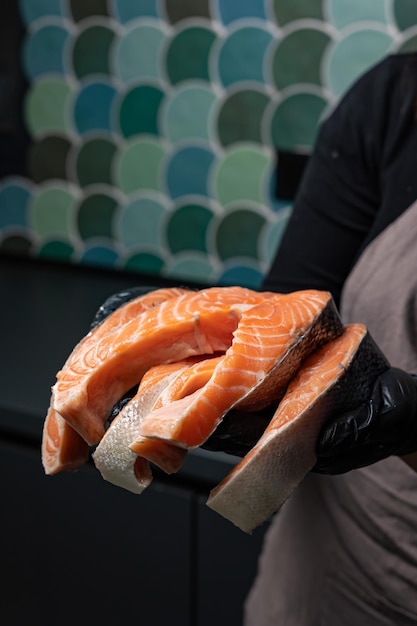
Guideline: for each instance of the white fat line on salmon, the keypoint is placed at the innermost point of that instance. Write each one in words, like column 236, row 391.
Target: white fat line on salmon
column 204, row 346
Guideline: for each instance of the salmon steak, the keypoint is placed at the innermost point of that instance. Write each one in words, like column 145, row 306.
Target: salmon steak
column 335, row 378
column 185, row 382
column 63, row 449
column 270, row 342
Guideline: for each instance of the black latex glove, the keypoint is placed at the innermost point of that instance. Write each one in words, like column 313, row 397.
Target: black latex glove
column 385, row 425
column 238, row 432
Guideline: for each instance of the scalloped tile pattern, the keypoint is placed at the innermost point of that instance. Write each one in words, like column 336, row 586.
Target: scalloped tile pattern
column 154, row 125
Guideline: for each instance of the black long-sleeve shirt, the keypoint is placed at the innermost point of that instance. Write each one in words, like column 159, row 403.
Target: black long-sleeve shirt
column 361, row 176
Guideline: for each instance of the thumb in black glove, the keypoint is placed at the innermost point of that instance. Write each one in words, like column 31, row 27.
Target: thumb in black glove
column 238, row 432
column 385, row 425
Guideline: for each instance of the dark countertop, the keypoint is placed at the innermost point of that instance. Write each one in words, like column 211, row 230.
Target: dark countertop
column 46, row 308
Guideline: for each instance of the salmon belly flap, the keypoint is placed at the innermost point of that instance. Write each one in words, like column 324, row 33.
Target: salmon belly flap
column 63, row 449
column 114, row 459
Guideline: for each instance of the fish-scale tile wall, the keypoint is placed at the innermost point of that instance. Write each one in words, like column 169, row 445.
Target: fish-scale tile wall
column 154, row 124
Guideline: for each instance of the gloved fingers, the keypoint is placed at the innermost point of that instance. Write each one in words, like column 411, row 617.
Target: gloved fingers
column 383, row 426
column 116, row 300
column 395, row 401
column 238, row 432
column 346, row 431
column 343, row 462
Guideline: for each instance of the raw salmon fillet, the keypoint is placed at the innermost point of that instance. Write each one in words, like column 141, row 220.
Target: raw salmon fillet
column 269, row 343
column 95, row 378
column 337, row 377
column 63, row 449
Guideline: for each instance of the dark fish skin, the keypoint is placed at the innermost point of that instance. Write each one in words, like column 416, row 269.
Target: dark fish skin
column 356, row 382
column 326, row 326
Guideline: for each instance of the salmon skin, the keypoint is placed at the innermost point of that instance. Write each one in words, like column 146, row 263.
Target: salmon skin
column 337, row 377
column 98, row 374
column 271, row 340
column 131, row 469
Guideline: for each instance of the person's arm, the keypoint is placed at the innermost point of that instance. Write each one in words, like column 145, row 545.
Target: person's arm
column 336, row 203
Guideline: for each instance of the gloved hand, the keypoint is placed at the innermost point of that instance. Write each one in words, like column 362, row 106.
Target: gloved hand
column 385, row 425
column 238, row 432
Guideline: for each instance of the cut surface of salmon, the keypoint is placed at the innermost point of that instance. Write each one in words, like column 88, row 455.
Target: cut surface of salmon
column 94, row 379
column 334, row 379
column 270, row 341
column 128, row 311
column 63, row 449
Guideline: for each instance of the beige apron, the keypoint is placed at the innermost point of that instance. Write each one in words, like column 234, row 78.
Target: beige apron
column 343, row 550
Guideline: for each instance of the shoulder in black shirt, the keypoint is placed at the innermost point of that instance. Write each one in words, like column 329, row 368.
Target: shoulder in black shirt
column 361, row 176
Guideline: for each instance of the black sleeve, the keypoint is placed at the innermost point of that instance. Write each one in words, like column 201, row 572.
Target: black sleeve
column 338, row 197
